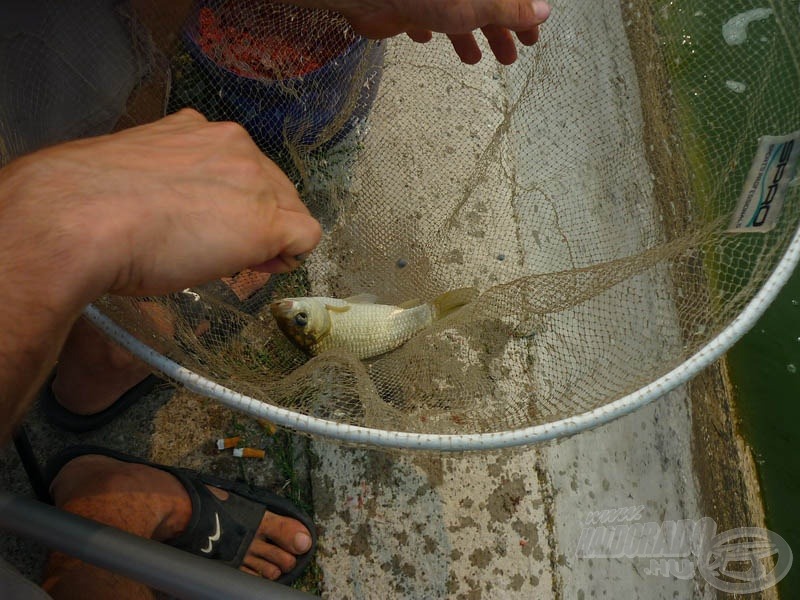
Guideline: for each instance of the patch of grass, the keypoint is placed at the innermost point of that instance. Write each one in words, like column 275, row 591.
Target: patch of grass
column 285, row 449
column 286, row 452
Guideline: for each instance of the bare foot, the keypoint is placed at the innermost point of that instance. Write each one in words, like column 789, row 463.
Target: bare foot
column 152, row 503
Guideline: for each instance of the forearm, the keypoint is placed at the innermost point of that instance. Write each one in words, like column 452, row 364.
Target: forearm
column 34, row 334
column 42, row 291
column 146, row 211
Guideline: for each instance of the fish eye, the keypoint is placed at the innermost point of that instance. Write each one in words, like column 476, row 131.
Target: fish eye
column 301, row 319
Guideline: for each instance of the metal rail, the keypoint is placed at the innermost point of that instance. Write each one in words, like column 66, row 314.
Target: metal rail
column 157, row 565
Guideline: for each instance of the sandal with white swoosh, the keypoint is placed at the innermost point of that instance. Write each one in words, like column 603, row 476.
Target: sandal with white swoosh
column 219, row 529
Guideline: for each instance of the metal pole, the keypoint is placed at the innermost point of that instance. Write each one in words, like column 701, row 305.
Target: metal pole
column 157, row 565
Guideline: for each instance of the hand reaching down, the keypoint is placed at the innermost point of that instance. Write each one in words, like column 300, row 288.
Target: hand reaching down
column 161, row 207
column 499, row 20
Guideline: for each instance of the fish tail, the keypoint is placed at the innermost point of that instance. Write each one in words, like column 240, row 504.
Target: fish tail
column 452, row 301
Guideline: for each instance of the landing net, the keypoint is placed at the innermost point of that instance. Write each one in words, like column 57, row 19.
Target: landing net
column 591, row 192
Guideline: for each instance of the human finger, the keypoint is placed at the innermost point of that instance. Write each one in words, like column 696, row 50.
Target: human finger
column 186, row 119
column 501, row 42
column 517, row 15
column 528, row 37
column 298, row 234
column 421, row 36
column 281, row 187
column 466, row 47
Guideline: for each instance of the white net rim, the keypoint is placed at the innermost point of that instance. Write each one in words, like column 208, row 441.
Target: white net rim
column 478, row 441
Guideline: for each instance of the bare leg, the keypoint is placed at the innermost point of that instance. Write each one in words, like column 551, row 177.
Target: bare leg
column 150, row 503
column 93, row 371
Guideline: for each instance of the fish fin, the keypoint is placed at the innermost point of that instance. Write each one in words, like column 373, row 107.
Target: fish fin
column 452, row 301
column 410, row 303
column 338, row 309
column 362, row 299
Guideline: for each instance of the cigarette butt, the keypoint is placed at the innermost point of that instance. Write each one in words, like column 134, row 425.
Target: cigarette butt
column 249, row 453
column 268, row 426
column 231, row 442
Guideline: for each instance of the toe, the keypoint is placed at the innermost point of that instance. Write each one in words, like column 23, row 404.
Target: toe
column 285, row 532
column 261, row 567
column 272, row 554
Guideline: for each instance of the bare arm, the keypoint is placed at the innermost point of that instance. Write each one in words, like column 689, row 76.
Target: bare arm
column 39, row 296
column 146, row 211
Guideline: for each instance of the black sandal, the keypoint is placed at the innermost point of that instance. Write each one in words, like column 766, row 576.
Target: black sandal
column 219, row 529
column 67, row 420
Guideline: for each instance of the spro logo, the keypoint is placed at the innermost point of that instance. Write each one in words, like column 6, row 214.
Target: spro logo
column 767, row 183
column 783, row 152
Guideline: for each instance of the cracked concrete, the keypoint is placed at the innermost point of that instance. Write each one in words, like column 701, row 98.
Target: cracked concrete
column 497, row 524
column 413, row 528
column 507, row 524
column 502, row 524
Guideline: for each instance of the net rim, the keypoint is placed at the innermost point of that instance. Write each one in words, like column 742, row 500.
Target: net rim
column 353, row 434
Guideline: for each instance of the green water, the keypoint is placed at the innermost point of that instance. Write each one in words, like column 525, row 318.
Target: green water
column 765, row 366
column 728, row 95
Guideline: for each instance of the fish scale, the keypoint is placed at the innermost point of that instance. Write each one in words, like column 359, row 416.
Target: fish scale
column 357, row 324
column 372, row 329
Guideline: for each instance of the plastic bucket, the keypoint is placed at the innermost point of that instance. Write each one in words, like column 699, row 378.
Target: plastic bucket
column 309, row 89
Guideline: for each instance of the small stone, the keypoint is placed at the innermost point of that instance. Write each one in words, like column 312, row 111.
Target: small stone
column 401, row 263
column 501, row 257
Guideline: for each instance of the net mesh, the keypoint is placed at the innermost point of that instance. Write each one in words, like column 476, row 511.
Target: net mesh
column 585, row 190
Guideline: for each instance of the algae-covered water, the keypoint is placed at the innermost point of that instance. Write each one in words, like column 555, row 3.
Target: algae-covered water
column 745, row 54
column 764, row 366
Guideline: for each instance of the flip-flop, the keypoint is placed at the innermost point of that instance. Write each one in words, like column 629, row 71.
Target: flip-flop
column 65, row 419
column 218, row 529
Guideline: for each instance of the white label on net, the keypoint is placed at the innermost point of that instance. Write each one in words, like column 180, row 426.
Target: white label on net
column 765, row 187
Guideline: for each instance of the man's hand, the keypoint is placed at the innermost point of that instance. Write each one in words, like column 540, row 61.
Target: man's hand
column 164, row 206
column 457, row 18
column 147, row 211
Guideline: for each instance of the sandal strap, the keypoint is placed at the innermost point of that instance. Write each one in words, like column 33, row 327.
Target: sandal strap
column 239, row 516
column 219, row 529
